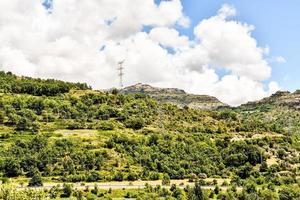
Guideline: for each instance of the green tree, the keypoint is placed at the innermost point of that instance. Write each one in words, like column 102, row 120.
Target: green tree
column 198, row 191
column 217, row 190
column 67, row 190
column 36, row 180
column 263, row 167
column 135, row 123
column 2, row 116
column 166, row 179
column 11, row 167
column 289, row 193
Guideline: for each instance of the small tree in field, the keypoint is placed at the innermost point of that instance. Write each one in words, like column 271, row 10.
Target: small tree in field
column 198, row 191
column 166, row 179
column 36, row 180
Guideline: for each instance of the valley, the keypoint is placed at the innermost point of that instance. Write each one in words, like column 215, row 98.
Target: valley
column 65, row 140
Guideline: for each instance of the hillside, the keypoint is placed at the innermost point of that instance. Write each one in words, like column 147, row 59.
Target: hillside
column 83, row 136
column 280, row 98
column 176, row 96
column 10, row 83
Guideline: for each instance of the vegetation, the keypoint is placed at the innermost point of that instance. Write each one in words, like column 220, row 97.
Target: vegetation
column 53, row 131
column 26, row 85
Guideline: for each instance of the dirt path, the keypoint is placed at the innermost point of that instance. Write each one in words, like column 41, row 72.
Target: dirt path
column 132, row 185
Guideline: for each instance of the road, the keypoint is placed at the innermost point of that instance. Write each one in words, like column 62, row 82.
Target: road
column 129, row 185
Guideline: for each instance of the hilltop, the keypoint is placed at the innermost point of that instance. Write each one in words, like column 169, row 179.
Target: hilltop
column 280, row 98
column 57, row 132
column 176, row 96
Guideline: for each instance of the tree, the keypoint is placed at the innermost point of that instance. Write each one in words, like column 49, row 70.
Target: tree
column 269, row 195
column 250, row 187
column 198, row 191
column 115, row 91
column 217, row 190
column 135, row 123
column 263, row 167
column 67, row 190
column 244, row 171
column 166, row 179
column 2, row 116
column 12, row 167
column 36, row 180
column 289, row 193
column 93, row 176
column 118, row 176
column 178, row 193
column 132, row 176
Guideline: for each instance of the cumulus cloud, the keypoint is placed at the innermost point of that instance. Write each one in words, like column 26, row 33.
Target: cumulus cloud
column 169, row 38
column 79, row 40
column 230, row 45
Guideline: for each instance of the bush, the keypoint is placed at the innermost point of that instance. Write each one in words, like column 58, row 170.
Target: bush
column 75, row 125
column 118, row 176
column 289, row 193
column 132, row 176
column 166, row 179
column 11, row 167
column 1, row 117
column 105, row 125
column 35, row 181
column 67, row 190
column 135, row 123
column 93, row 176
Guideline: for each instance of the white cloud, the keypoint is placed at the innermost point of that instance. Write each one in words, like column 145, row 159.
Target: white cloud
column 231, row 46
column 231, row 85
column 273, row 87
column 280, row 59
column 65, row 43
column 169, row 38
column 226, row 11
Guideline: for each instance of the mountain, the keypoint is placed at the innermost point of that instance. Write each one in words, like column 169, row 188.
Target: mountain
column 69, row 135
column 280, row 98
column 176, row 96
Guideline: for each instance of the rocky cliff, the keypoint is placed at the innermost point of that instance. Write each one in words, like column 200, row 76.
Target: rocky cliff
column 176, row 96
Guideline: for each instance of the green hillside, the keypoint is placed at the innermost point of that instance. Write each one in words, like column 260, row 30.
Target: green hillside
column 66, row 132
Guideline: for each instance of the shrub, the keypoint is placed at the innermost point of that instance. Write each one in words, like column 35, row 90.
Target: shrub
column 132, row 176
column 35, row 181
column 135, row 123
column 166, row 179
column 105, row 125
column 118, row 176
column 67, row 190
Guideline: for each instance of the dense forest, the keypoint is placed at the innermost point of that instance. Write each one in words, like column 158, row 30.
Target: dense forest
column 58, row 132
column 10, row 83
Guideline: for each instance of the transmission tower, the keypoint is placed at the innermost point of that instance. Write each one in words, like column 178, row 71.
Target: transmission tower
column 121, row 73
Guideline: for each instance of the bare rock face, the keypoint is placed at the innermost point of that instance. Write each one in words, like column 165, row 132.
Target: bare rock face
column 176, row 96
column 280, row 98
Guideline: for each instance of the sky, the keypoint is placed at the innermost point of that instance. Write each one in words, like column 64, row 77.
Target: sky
column 276, row 25
column 237, row 51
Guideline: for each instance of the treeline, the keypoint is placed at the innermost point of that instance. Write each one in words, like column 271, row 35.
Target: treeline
column 10, row 83
column 92, row 111
column 61, row 158
column 174, row 192
column 96, row 110
column 169, row 141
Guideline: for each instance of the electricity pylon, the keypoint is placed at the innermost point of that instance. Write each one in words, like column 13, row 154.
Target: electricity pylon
column 121, row 73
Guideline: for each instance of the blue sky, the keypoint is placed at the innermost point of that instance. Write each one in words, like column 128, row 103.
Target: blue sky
column 276, row 24
column 65, row 40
